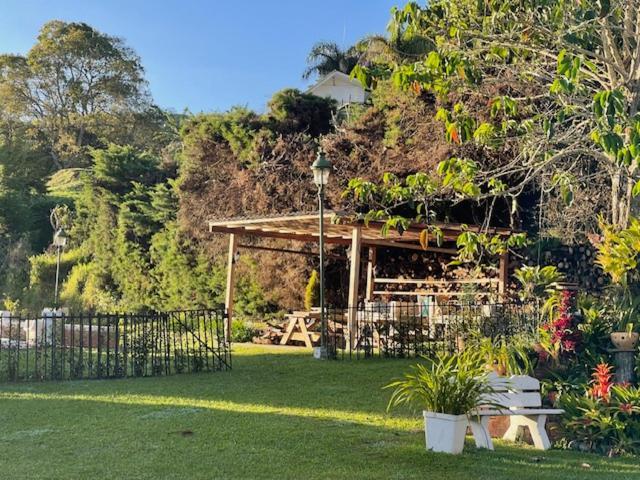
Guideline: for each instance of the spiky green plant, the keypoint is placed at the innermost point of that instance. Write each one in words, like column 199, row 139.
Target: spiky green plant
column 452, row 384
column 506, row 357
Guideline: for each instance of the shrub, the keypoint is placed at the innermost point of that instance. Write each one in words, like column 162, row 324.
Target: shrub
column 605, row 418
column 561, row 339
column 86, row 289
column 295, row 111
column 506, row 357
column 535, row 281
column 312, row 292
column 243, row 331
column 42, row 275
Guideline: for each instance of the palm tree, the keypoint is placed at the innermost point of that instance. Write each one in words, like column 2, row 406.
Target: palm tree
column 325, row 57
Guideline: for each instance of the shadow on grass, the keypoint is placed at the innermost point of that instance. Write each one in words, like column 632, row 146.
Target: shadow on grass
column 275, row 415
column 249, row 440
column 289, row 378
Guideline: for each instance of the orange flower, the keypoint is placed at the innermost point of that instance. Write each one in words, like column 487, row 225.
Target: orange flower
column 602, row 381
column 454, row 135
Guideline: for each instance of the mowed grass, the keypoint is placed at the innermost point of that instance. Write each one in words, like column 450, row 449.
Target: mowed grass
column 278, row 414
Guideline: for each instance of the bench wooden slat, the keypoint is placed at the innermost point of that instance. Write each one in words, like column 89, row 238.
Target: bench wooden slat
column 515, row 382
column 515, row 399
column 492, row 412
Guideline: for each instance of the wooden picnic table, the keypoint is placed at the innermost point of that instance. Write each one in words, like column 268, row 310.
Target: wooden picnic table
column 301, row 328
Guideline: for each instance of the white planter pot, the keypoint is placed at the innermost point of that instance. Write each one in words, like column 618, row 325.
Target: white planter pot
column 445, row 433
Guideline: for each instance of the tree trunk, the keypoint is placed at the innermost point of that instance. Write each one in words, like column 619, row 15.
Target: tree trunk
column 621, row 198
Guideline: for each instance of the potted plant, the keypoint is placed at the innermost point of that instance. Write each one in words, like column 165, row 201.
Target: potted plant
column 626, row 340
column 623, row 311
column 447, row 388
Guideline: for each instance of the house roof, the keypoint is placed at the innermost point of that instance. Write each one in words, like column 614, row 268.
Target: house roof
column 339, row 230
column 335, row 74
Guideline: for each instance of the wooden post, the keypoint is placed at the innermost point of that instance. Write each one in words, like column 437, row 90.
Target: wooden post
column 371, row 265
column 228, row 300
column 503, row 274
column 354, row 279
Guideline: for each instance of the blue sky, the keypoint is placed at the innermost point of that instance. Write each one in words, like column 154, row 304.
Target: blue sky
column 208, row 55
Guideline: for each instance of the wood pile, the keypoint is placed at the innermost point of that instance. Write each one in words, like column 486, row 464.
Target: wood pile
column 271, row 334
column 428, row 266
column 577, row 262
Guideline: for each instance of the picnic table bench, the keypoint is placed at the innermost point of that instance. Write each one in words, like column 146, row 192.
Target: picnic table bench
column 520, row 394
column 300, row 328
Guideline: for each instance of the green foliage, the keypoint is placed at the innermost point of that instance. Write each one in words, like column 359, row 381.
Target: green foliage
column 239, row 128
column 73, row 82
column 619, row 250
column 536, row 280
column 551, row 111
column 66, row 185
column 595, row 327
column 86, row 289
column 117, row 167
column 183, row 275
column 325, row 57
column 295, row 111
column 243, row 331
column 510, row 357
column 452, row 384
column 606, row 425
column 246, row 133
column 23, row 203
column 621, row 309
column 312, row 291
column 43, row 273
column 417, row 193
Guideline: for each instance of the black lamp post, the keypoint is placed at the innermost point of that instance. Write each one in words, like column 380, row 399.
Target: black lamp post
column 321, row 170
column 59, row 241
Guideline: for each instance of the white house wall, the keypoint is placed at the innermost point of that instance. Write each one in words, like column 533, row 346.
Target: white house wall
column 341, row 92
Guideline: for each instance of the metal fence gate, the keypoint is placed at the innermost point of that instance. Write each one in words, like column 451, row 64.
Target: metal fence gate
column 404, row 329
column 98, row 346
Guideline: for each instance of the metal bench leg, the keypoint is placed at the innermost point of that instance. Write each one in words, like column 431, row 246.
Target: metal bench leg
column 535, row 424
column 480, row 430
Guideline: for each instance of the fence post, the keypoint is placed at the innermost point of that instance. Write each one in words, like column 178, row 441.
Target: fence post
column 354, row 281
column 231, row 269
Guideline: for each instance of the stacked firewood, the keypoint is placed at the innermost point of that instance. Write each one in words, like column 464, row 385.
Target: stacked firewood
column 577, row 262
column 271, row 334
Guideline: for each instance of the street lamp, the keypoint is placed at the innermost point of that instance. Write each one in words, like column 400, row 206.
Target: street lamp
column 321, row 170
column 59, row 241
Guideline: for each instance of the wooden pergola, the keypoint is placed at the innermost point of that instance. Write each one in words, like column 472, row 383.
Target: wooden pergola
column 341, row 230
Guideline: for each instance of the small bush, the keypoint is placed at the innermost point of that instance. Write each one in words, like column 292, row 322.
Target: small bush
column 312, row 292
column 243, row 331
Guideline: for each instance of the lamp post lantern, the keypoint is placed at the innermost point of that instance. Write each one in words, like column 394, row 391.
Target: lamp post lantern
column 321, row 170
column 59, row 241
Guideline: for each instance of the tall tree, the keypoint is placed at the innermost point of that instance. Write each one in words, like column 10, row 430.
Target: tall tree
column 325, row 57
column 72, row 81
column 560, row 84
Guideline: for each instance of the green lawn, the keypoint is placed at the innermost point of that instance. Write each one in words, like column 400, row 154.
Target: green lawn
column 277, row 414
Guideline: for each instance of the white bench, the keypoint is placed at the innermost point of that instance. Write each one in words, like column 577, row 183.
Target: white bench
column 520, row 394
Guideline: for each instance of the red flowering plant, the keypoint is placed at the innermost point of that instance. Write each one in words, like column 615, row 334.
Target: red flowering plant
column 601, row 381
column 606, row 418
column 560, row 338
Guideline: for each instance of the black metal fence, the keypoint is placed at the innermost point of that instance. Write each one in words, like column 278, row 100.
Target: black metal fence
column 405, row 329
column 101, row 346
